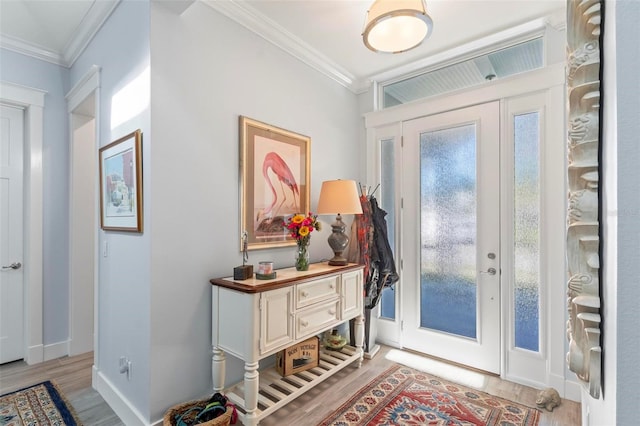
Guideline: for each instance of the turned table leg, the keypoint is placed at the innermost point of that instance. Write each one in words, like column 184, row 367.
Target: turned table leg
column 251, row 381
column 359, row 332
column 218, row 362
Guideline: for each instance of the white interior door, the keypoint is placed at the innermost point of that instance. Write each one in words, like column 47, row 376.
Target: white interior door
column 11, row 244
column 451, row 237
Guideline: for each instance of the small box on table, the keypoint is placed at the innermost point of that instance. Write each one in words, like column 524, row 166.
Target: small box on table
column 242, row 272
column 299, row 357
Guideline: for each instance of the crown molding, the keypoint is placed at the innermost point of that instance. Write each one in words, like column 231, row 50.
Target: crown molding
column 88, row 28
column 29, row 49
column 274, row 33
column 90, row 25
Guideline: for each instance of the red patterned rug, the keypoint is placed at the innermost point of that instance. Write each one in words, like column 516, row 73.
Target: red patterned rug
column 403, row 396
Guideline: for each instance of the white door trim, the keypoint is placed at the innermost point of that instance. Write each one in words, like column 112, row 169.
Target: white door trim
column 32, row 100
column 89, row 84
column 550, row 80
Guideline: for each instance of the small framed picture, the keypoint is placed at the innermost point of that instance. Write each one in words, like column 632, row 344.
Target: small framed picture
column 275, row 175
column 121, row 184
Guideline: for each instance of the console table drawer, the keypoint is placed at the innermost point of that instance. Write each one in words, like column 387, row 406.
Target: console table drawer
column 316, row 318
column 316, row 291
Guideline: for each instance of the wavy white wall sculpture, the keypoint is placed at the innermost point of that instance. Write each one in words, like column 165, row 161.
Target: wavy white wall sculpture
column 583, row 243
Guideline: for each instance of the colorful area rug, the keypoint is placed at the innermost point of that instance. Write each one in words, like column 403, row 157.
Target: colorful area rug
column 403, row 396
column 39, row 405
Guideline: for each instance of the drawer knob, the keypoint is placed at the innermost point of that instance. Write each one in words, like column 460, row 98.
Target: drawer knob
column 304, row 294
column 304, row 323
column 332, row 311
column 332, row 286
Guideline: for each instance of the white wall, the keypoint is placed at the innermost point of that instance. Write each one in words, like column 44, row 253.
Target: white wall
column 599, row 412
column 27, row 71
column 121, row 50
column 627, row 15
column 206, row 71
column 621, row 209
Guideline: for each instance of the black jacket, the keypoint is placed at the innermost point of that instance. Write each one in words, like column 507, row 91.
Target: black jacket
column 382, row 271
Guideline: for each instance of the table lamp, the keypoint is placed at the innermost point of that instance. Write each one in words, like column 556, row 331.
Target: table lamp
column 338, row 197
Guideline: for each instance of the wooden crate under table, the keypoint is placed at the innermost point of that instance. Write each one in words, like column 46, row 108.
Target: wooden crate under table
column 299, row 357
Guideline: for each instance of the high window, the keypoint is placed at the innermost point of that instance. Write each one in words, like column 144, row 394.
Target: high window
column 472, row 72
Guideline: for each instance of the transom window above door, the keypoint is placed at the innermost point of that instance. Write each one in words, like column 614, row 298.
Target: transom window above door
column 501, row 63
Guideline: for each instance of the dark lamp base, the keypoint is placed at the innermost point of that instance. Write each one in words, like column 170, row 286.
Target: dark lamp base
column 338, row 241
column 338, row 261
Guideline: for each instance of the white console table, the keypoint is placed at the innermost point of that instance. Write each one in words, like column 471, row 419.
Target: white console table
column 252, row 319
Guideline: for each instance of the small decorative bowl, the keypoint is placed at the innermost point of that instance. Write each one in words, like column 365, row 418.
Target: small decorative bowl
column 335, row 342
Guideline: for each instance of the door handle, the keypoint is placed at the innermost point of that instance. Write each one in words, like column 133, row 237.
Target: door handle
column 14, row 265
column 490, row 271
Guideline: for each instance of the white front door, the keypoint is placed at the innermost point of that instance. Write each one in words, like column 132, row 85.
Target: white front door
column 450, row 236
column 11, row 252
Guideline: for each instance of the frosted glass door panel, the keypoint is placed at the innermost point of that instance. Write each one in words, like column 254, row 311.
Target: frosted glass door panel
column 526, row 230
column 448, row 230
column 451, row 236
column 387, row 203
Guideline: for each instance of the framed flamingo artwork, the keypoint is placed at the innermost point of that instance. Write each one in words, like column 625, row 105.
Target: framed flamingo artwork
column 275, row 173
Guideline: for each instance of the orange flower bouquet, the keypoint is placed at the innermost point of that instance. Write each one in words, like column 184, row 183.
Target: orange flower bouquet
column 300, row 228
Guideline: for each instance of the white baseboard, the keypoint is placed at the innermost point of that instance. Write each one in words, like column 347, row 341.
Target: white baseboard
column 530, row 383
column 573, row 391
column 388, row 342
column 79, row 346
column 160, row 422
column 35, row 354
column 568, row 389
column 558, row 383
column 372, row 352
column 94, row 377
column 118, row 403
column 56, row 350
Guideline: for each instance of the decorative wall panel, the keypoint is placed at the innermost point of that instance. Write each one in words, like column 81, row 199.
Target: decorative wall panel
column 583, row 241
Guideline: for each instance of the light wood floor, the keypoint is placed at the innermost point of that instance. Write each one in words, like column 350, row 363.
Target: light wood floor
column 73, row 375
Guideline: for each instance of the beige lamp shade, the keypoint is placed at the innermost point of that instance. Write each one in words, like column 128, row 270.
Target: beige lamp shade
column 395, row 26
column 339, row 197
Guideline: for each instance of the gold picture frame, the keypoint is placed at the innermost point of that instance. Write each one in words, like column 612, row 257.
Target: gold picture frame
column 274, row 184
column 121, row 184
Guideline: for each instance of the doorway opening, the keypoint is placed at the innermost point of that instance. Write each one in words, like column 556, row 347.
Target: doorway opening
column 83, row 213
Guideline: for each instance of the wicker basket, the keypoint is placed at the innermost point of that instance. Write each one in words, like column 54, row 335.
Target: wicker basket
column 223, row 420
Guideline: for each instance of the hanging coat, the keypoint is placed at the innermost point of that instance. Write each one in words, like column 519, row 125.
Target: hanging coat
column 382, row 268
column 361, row 238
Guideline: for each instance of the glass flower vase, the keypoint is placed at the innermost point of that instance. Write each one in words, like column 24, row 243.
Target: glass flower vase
column 302, row 257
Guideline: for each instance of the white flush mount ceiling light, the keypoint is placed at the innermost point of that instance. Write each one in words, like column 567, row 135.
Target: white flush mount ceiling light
column 395, row 26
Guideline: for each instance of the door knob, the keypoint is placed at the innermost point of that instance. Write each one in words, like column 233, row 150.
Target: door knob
column 14, row 265
column 490, row 271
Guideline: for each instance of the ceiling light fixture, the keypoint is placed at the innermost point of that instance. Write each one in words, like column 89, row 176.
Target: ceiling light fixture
column 395, row 26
